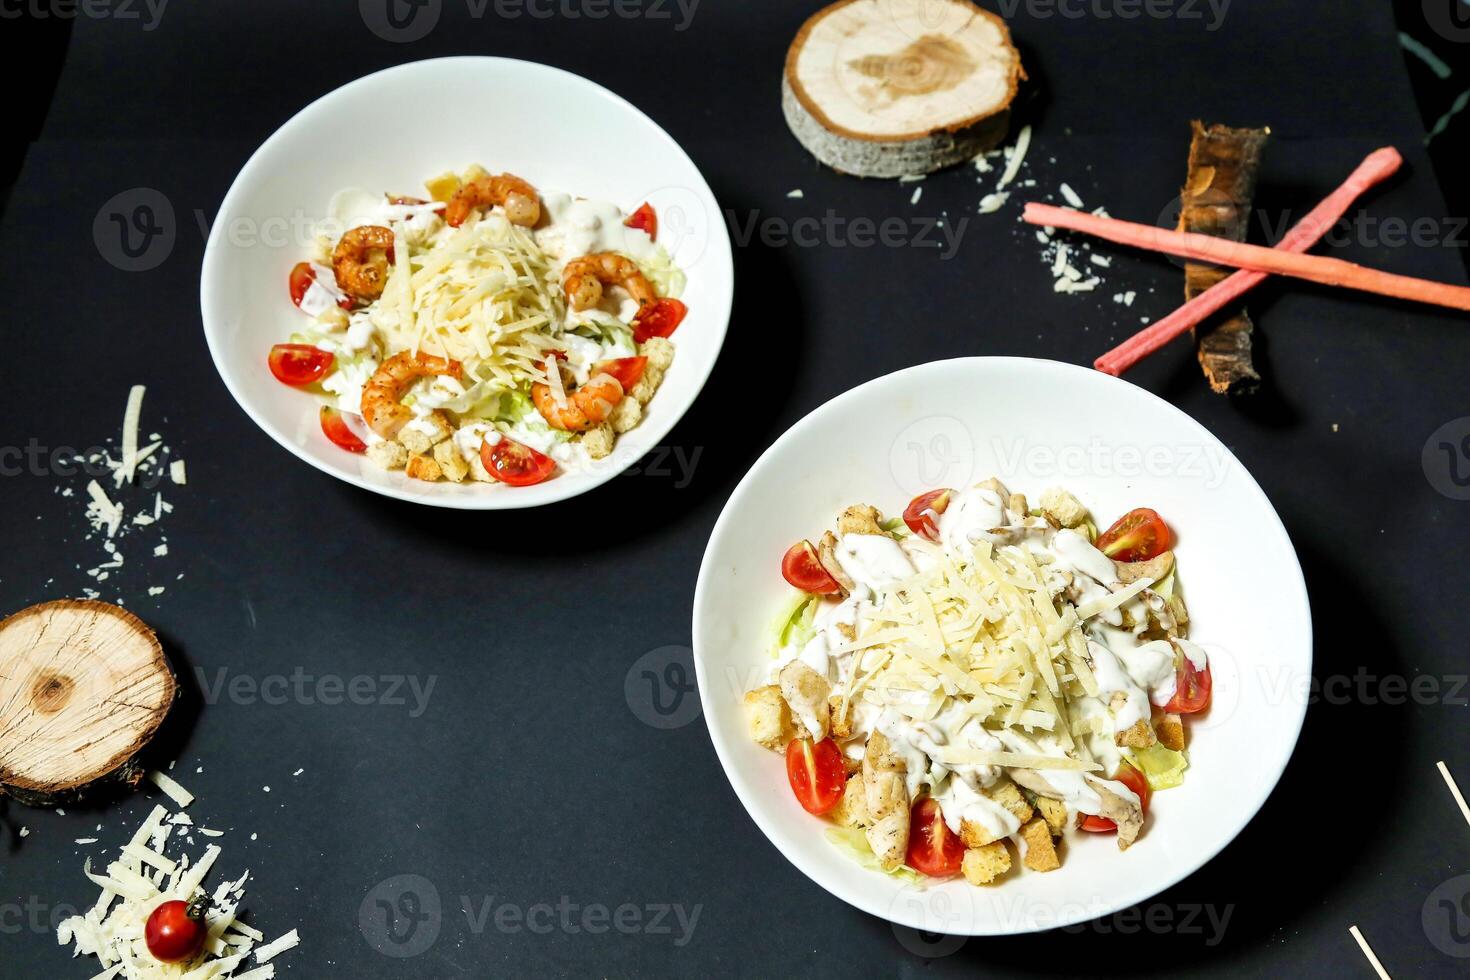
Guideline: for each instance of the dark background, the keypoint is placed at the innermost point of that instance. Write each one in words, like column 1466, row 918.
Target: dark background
column 532, row 776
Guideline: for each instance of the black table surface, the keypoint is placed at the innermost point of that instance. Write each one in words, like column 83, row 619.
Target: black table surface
column 526, row 790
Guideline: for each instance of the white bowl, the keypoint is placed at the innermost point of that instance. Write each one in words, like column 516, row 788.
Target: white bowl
column 390, row 131
column 1035, row 424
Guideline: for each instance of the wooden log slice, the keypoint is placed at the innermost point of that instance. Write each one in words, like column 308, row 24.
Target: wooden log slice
column 84, row 686
column 883, row 88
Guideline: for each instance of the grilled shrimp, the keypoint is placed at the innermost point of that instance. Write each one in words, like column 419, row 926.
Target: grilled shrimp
column 518, row 197
column 583, row 279
column 382, row 405
column 361, row 259
column 583, row 408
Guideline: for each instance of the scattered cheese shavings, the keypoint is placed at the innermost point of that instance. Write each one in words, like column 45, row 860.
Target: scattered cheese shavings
column 918, row 193
column 85, row 840
column 1070, row 196
column 25, row 832
column 911, row 178
column 128, row 467
column 1014, row 156
column 796, row 194
column 1445, row 772
column 177, row 473
column 170, row 788
column 1368, row 952
column 277, row 946
column 991, row 203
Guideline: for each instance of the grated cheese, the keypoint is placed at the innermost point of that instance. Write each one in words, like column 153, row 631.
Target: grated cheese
column 171, row 788
column 129, row 465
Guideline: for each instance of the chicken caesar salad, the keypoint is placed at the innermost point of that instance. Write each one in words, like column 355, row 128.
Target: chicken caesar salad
column 979, row 677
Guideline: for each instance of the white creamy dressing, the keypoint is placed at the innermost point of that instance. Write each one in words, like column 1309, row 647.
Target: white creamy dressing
column 323, row 293
column 1142, row 671
column 579, row 226
column 873, row 561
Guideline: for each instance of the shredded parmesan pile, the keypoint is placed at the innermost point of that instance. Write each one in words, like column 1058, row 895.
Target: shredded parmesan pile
column 143, row 878
column 107, row 514
column 485, row 295
column 986, row 635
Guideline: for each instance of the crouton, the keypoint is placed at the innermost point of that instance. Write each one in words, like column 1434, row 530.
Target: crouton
column 1170, row 730
column 976, row 834
column 1017, row 504
column 859, row 519
column 1155, row 568
column 388, row 454
column 451, row 461
column 852, row 809
column 659, row 351
column 626, row 416
column 807, row 692
column 1066, row 509
column 442, row 187
column 599, row 442
column 423, row 468
column 982, row 865
column 1009, row 796
column 769, row 717
column 1054, row 812
column 995, row 486
column 841, row 723
column 420, row 436
column 473, row 173
column 644, row 390
column 478, row 471
column 1139, row 735
column 1041, row 853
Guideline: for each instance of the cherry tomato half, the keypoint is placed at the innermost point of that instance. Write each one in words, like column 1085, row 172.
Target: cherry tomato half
column 302, row 276
column 644, row 218
column 626, row 369
column 513, row 463
column 335, row 428
column 801, row 567
column 1192, row 690
column 660, row 319
column 299, row 364
column 1135, row 781
column 933, row 848
column 816, row 773
column 1136, row 536
column 919, row 514
column 175, row 931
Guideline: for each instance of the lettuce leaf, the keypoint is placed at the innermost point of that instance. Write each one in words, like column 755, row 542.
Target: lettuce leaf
column 1162, row 767
column 854, row 844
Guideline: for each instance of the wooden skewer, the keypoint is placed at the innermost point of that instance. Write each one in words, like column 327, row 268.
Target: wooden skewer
column 1206, row 248
column 1377, row 167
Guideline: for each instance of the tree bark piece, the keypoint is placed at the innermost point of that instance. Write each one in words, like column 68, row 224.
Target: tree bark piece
column 84, row 687
column 884, row 88
column 1216, row 200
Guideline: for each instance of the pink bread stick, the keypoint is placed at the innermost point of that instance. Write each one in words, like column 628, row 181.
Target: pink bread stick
column 1377, row 167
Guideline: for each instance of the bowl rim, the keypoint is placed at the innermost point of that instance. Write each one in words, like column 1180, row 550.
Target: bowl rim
column 905, row 914
column 572, row 485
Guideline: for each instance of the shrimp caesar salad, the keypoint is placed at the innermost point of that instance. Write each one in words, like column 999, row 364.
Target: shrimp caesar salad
column 486, row 332
column 978, row 678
